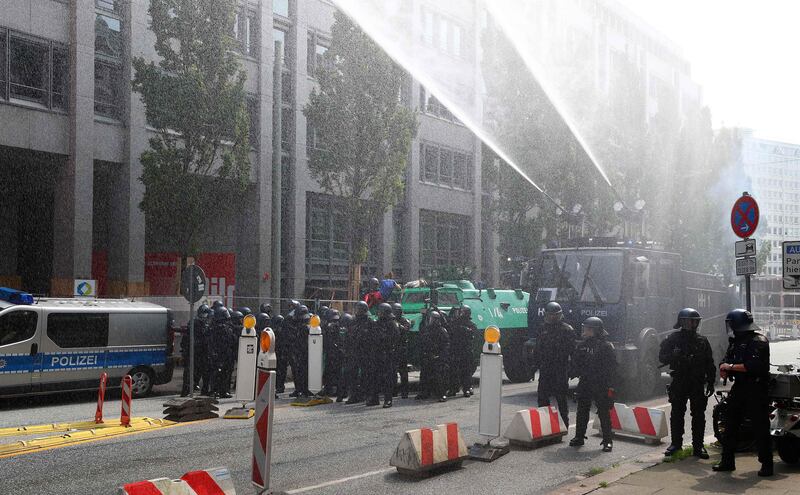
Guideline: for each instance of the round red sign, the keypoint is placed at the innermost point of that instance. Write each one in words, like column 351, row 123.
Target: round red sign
column 744, row 216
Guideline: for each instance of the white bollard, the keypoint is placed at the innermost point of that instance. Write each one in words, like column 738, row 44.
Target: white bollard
column 314, row 355
column 265, row 401
column 491, row 395
column 246, row 363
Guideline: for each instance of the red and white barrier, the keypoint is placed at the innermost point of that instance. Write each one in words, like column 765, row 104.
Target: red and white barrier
column 262, row 435
column 125, row 415
column 425, row 449
column 215, row 481
column 640, row 422
column 101, row 397
column 536, row 426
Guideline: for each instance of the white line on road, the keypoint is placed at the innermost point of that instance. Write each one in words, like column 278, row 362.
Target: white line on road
column 339, row 481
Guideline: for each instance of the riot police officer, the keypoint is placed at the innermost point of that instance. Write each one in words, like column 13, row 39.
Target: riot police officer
column 691, row 361
column 330, row 344
column 462, row 333
column 265, row 308
column 435, row 347
column 300, row 351
column 747, row 364
column 401, row 355
column 283, row 348
column 595, row 364
column 342, row 350
column 200, row 322
column 551, row 356
column 221, row 351
column 381, row 368
column 262, row 323
column 355, row 350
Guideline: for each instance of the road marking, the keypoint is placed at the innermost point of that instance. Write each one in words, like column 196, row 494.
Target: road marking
column 339, row 481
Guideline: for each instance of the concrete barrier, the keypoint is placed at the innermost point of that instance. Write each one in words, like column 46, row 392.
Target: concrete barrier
column 646, row 423
column 427, row 449
column 535, row 427
column 214, row 481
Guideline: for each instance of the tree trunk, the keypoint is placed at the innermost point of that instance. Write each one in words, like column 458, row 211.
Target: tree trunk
column 354, row 284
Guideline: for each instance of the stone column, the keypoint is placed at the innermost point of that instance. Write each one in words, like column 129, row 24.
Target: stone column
column 72, row 222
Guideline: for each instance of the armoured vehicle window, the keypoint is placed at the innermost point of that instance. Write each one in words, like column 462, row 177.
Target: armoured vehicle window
column 17, row 326
column 69, row 330
column 587, row 276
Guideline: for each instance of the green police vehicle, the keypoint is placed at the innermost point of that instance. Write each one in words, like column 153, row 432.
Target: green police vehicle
column 506, row 309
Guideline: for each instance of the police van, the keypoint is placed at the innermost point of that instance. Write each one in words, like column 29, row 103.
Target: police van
column 49, row 345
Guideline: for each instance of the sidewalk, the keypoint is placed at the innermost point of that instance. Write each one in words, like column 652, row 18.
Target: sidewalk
column 690, row 475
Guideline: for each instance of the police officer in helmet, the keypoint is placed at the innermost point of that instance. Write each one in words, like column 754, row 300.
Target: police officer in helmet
column 401, row 354
column 355, row 351
column 595, row 365
column 747, row 364
column 435, row 350
column 462, row 333
column 343, row 349
column 330, row 343
column 691, row 362
column 551, row 355
column 383, row 341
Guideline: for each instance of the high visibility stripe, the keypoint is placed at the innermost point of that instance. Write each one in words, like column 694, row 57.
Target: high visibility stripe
column 125, row 417
column 256, row 478
column 536, row 423
column 615, row 425
column 141, row 488
column 554, row 425
column 101, row 397
column 643, row 421
column 452, row 441
column 202, row 483
column 260, row 467
column 426, row 444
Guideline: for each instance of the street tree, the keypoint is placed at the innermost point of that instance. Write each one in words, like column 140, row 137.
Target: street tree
column 363, row 132
column 194, row 98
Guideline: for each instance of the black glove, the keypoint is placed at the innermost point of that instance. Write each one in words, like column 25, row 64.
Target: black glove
column 709, row 389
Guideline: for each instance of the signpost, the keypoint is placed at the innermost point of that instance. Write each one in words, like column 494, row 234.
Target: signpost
column 193, row 286
column 744, row 222
column 790, row 251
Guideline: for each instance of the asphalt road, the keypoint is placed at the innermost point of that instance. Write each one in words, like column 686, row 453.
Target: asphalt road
column 327, row 449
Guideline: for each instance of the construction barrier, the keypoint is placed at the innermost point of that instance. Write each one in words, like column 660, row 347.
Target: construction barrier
column 638, row 422
column 535, row 427
column 101, row 397
column 266, row 363
column 215, row 481
column 125, row 415
column 426, row 449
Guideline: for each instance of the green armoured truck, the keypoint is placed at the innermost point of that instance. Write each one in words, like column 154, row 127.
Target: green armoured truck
column 506, row 309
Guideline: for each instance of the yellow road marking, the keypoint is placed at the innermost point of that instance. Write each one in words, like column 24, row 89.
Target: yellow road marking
column 67, row 427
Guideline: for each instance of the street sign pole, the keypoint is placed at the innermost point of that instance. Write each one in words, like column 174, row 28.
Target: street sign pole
column 744, row 222
column 747, row 292
column 193, row 286
column 191, row 344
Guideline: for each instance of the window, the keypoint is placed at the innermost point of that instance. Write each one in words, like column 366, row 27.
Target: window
column 315, row 53
column 245, row 31
column 279, row 36
column 280, row 7
column 107, row 81
column 70, row 330
column 108, row 36
column 3, row 75
column 110, row 5
column 444, row 240
column 445, row 167
column 17, row 326
column 29, row 61
column 60, row 77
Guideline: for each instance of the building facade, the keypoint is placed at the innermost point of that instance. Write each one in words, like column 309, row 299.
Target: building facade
column 73, row 132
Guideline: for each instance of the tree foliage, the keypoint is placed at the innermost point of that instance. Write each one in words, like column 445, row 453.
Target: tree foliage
column 194, row 98
column 363, row 131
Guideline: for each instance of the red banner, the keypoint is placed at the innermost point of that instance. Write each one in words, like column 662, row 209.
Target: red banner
column 161, row 272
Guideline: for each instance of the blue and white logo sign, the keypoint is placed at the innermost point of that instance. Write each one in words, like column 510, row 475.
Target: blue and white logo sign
column 85, row 288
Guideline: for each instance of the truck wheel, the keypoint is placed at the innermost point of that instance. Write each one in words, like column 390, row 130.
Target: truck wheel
column 516, row 368
column 143, row 380
column 788, row 449
column 648, row 378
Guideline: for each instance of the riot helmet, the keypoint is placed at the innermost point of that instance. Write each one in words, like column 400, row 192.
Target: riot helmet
column 237, row 317
column 217, row 304
column 373, row 283
column 397, row 309
column 384, row 311
column 262, row 321
column 265, row 308
column 347, row 319
column 221, row 314
column 688, row 318
column 361, row 308
column 245, row 311
column 466, row 312
column 740, row 321
column 333, row 315
column 202, row 311
column 277, row 321
column 302, row 310
column 435, row 318
column 594, row 326
column 553, row 312
column 323, row 312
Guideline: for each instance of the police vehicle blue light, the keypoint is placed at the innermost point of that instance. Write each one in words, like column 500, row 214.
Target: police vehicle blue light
column 15, row 296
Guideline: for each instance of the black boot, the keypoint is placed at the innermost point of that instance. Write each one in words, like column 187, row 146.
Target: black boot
column 577, row 441
column 607, row 445
column 767, row 469
column 726, row 464
column 700, row 452
column 672, row 449
column 387, row 404
column 373, row 401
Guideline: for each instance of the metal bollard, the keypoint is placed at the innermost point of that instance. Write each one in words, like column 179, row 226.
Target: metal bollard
column 101, row 397
column 491, row 395
column 265, row 401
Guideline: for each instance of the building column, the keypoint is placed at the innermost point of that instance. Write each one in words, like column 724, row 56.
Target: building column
column 127, row 245
column 477, row 212
column 72, row 221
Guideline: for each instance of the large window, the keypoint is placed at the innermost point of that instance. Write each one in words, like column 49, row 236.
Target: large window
column 245, row 31
column 442, row 32
column 445, row 167
column 279, row 36
column 316, row 48
column 444, row 241
column 280, row 7
column 108, row 36
column 17, row 326
column 33, row 70
column 72, row 330
column 109, row 51
column 107, row 83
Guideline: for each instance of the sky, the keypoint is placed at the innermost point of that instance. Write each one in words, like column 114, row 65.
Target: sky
column 745, row 54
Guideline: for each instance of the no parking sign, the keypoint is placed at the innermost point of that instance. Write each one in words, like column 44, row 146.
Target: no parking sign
column 744, row 216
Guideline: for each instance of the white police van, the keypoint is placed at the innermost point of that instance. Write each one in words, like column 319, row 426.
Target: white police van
column 49, row 345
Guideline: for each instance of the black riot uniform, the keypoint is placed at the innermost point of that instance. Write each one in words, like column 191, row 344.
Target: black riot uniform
column 691, row 361
column 381, row 368
column 462, row 333
column 282, row 350
column 221, row 350
column 330, row 344
column 434, row 350
column 401, row 353
column 355, row 351
column 200, row 361
column 747, row 364
column 299, row 353
column 551, row 357
column 595, row 364
column 341, row 347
